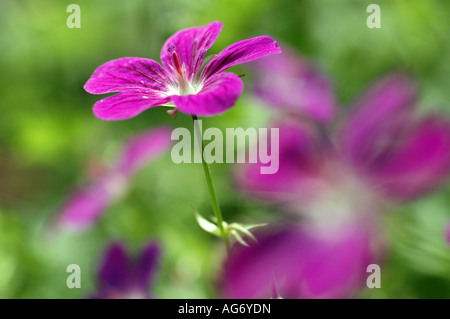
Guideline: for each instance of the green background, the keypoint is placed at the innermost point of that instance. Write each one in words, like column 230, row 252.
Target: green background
column 48, row 134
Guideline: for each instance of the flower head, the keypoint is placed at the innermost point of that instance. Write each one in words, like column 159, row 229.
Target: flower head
column 120, row 277
column 144, row 83
column 86, row 205
column 382, row 148
column 382, row 153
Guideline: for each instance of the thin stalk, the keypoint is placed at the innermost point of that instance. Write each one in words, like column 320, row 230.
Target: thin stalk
column 212, row 192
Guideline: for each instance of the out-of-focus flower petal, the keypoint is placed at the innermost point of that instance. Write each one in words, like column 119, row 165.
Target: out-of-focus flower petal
column 85, row 207
column 241, row 52
column 417, row 161
column 288, row 81
column 114, row 272
column 120, row 277
column 191, row 46
column 378, row 117
column 301, row 159
column 146, row 265
column 219, row 93
column 129, row 74
column 143, row 148
column 123, row 106
column 301, row 265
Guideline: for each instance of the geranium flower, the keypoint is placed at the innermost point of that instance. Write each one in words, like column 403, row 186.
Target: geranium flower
column 120, row 277
column 144, row 83
column 300, row 262
column 291, row 83
column 382, row 147
column 86, row 205
column 382, row 154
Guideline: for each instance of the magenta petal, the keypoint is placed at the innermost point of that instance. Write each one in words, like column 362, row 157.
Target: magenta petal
column 123, row 106
column 417, row 161
column 219, row 93
column 128, row 74
column 241, row 52
column 302, row 264
column 379, row 115
column 190, row 45
column 143, row 148
column 336, row 267
column 85, row 207
column 301, row 159
column 287, row 81
column 114, row 272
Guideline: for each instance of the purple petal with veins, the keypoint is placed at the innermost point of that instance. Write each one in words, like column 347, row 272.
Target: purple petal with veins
column 190, row 45
column 240, row 52
column 126, row 105
column 129, row 75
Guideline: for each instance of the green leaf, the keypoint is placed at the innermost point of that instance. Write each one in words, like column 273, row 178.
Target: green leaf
column 238, row 237
column 205, row 224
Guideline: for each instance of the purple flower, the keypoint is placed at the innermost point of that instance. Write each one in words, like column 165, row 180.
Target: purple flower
column 86, row 205
column 181, row 81
column 301, row 263
column 290, row 82
column 382, row 147
column 120, row 277
column 382, row 153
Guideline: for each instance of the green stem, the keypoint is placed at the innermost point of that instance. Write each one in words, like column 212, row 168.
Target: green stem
column 212, row 192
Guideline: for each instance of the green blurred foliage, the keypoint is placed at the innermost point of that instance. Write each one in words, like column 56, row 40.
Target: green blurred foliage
column 48, row 134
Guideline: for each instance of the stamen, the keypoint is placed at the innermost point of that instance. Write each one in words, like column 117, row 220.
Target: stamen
column 176, row 62
column 170, row 48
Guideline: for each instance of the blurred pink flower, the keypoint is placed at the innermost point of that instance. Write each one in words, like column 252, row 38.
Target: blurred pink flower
column 301, row 263
column 382, row 153
column 382, row 146
column 86, row 205
column 119, row 277
column 289, row 82
column 144, row 83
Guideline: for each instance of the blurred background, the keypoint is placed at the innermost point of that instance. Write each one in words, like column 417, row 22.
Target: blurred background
column 49, row 136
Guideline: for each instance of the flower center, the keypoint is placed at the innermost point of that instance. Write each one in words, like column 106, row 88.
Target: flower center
column 346, row 199
column 183, row 85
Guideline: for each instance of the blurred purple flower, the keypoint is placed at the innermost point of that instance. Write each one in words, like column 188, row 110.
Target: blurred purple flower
column 144, row 83
column 382, row 147
column 290, row 82
column 119, row 277
column 383, row 153
column 86, row 205
column 301, row 263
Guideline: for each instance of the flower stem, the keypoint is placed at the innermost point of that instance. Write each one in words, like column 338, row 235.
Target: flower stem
column 212, row 192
